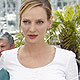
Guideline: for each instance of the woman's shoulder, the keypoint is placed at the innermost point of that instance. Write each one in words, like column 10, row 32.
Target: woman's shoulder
column 64, row 56
column 11, row 51
column 8, row 54
column 65, row 53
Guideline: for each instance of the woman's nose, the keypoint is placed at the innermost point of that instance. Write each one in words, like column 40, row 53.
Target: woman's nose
column 32, row 27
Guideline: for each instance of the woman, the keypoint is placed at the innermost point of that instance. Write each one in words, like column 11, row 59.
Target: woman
column 37, row 60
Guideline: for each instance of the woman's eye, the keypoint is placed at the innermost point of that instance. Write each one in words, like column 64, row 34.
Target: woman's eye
column 40, row 22
column 25, row 21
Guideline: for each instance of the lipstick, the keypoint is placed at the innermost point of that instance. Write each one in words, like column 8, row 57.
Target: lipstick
column 32, row 36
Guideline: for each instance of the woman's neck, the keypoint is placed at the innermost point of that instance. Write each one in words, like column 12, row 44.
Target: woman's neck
column 35, row 49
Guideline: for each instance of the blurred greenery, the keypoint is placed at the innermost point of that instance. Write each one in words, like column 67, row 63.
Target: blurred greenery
column 19, row 39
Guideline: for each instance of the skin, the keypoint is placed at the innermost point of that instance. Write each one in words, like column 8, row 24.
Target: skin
column 4, row 45
column 34, row 25
column 35, row 52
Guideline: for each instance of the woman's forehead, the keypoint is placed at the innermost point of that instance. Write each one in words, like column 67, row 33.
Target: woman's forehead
column 35, row 12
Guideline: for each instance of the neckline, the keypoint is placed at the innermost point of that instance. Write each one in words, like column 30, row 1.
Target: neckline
column 54, row 58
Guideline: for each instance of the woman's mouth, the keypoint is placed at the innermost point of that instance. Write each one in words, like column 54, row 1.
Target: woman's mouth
column 32, row 36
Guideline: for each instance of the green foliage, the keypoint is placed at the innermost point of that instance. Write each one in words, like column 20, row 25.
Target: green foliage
column 65, row 23
column 19, row 39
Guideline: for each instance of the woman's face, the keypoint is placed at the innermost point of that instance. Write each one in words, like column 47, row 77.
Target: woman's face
column 34, row 24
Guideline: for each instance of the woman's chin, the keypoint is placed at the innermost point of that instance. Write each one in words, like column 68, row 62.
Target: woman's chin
column 32, row 41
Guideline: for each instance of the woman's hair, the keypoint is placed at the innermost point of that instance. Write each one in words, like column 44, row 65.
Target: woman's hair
column 28, row 4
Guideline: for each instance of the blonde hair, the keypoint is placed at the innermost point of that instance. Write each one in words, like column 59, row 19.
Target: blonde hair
column 28, row 4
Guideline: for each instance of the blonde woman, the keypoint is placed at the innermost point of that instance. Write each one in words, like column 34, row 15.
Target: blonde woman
column 36, row 60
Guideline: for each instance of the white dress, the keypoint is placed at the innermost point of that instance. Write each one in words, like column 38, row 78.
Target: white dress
column 63, row 67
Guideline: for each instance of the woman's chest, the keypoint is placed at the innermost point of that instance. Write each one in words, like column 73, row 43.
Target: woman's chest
column 44, row 73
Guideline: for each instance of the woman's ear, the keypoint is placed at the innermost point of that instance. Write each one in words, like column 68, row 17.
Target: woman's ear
column 50, row 22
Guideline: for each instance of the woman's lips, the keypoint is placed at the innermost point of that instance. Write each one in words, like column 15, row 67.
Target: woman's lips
column 32, row 36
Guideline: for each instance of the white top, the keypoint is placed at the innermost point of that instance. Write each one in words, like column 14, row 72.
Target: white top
column 63, row 67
